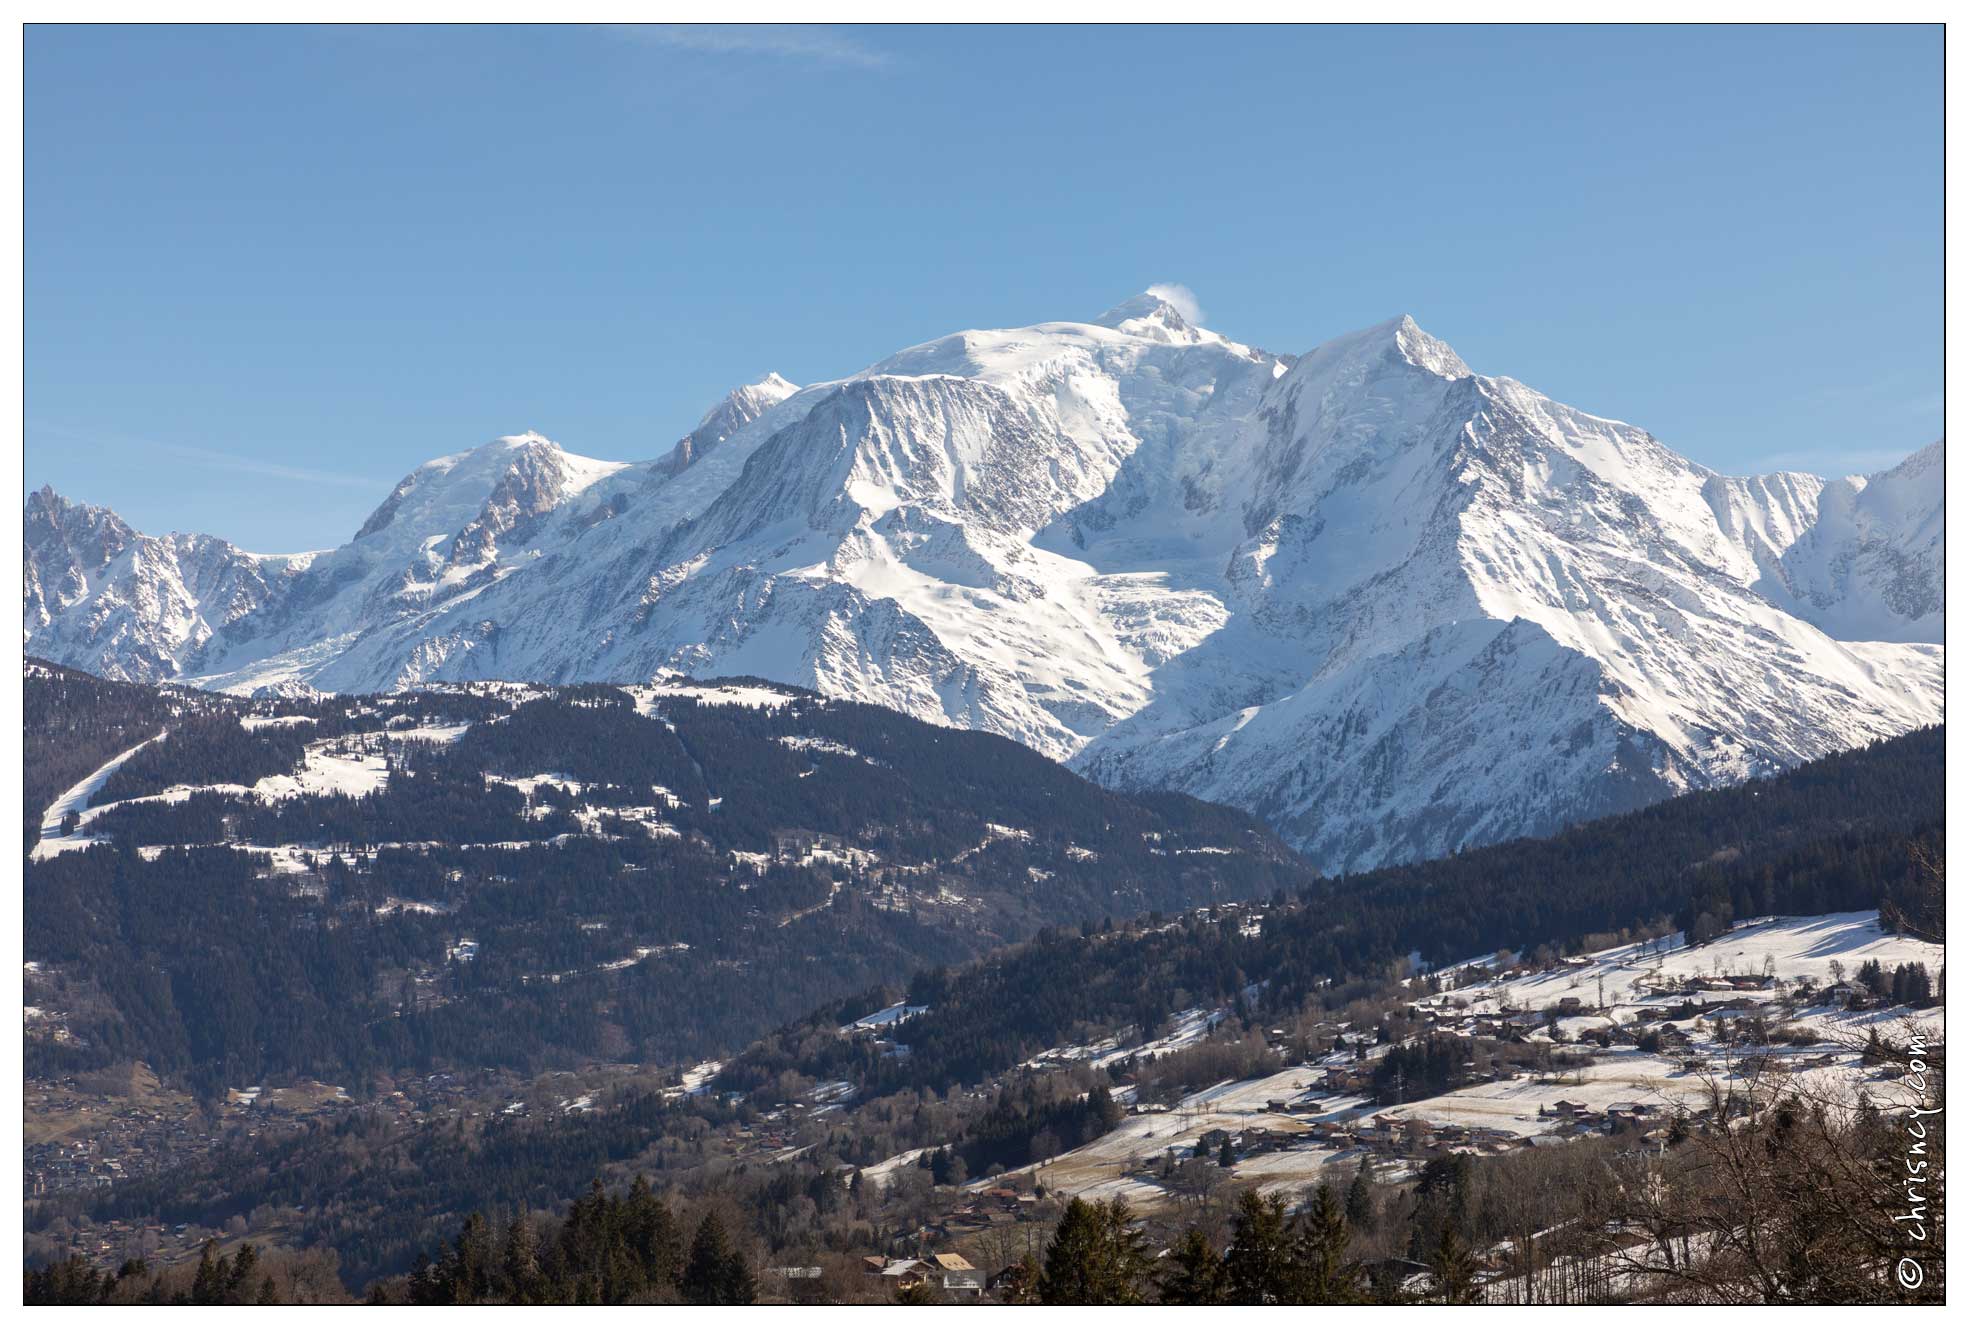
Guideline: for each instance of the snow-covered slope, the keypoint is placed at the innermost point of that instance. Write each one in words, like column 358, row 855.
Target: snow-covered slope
column 101, row 597
column 451, row 528
column 1392, row 605
column 739, row 408
column 1870, row 567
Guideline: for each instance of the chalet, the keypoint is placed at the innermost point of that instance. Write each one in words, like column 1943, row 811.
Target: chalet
column 1344, row 1079
column 1011, row 1276
column 904, row 1273
column 793, row 843
column 1631, row 1116
column 1416, row 1133
column 1564, row 1110
column 1261, row 1140
column 958, row 1274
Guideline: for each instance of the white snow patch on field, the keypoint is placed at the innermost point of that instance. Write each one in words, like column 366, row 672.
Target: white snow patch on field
column 697, row 1079
column 645, row 695
column 528, row 784
column 882, row 1174
column 252, row 722
column 1789, row 948
column 52, row 841
column 1187, row 1028
column 886, row 1018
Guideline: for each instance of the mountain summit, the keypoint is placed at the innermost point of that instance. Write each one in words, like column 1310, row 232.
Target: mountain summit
column 1394, row 606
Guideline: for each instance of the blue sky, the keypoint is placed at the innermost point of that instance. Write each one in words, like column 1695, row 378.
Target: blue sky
column 270, row 270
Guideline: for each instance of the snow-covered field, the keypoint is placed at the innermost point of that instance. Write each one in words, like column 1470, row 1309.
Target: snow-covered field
column 885, row 1019
column 881, row 1174
column 1187, row 1029
column 1790, row 948
column 645, row 695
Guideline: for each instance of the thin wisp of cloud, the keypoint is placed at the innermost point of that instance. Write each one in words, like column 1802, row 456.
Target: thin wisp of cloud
column 800, row 41
column 211, row 458
column 1183, row 298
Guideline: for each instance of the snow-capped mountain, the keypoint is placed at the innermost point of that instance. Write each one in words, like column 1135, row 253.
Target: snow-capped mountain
column 740, row 407
column 1870, row 567
column 1392, row 605
column 101, row 597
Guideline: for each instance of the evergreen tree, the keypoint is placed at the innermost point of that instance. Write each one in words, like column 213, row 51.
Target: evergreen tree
column 652, row 1233
column 1021, row 1284
column 1323, row 1275
column 1193, row 1273
column 468, row 1273
column 717, row 1274
column 239, row 1281
column 1452, row 1270
column 1360, row 1200
column 208, row 1284
column 519, row 1262
column 1096, row 1258
column 1258, row 1267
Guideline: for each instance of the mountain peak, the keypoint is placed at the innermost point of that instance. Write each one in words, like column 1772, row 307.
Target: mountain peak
column 527, row 439
column 1401, row 335
column 1164, row 312
column 732, row 412
column 1146, row 305
column 1431, row 353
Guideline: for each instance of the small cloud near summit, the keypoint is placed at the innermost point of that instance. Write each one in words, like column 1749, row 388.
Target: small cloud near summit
column 1183, row 298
